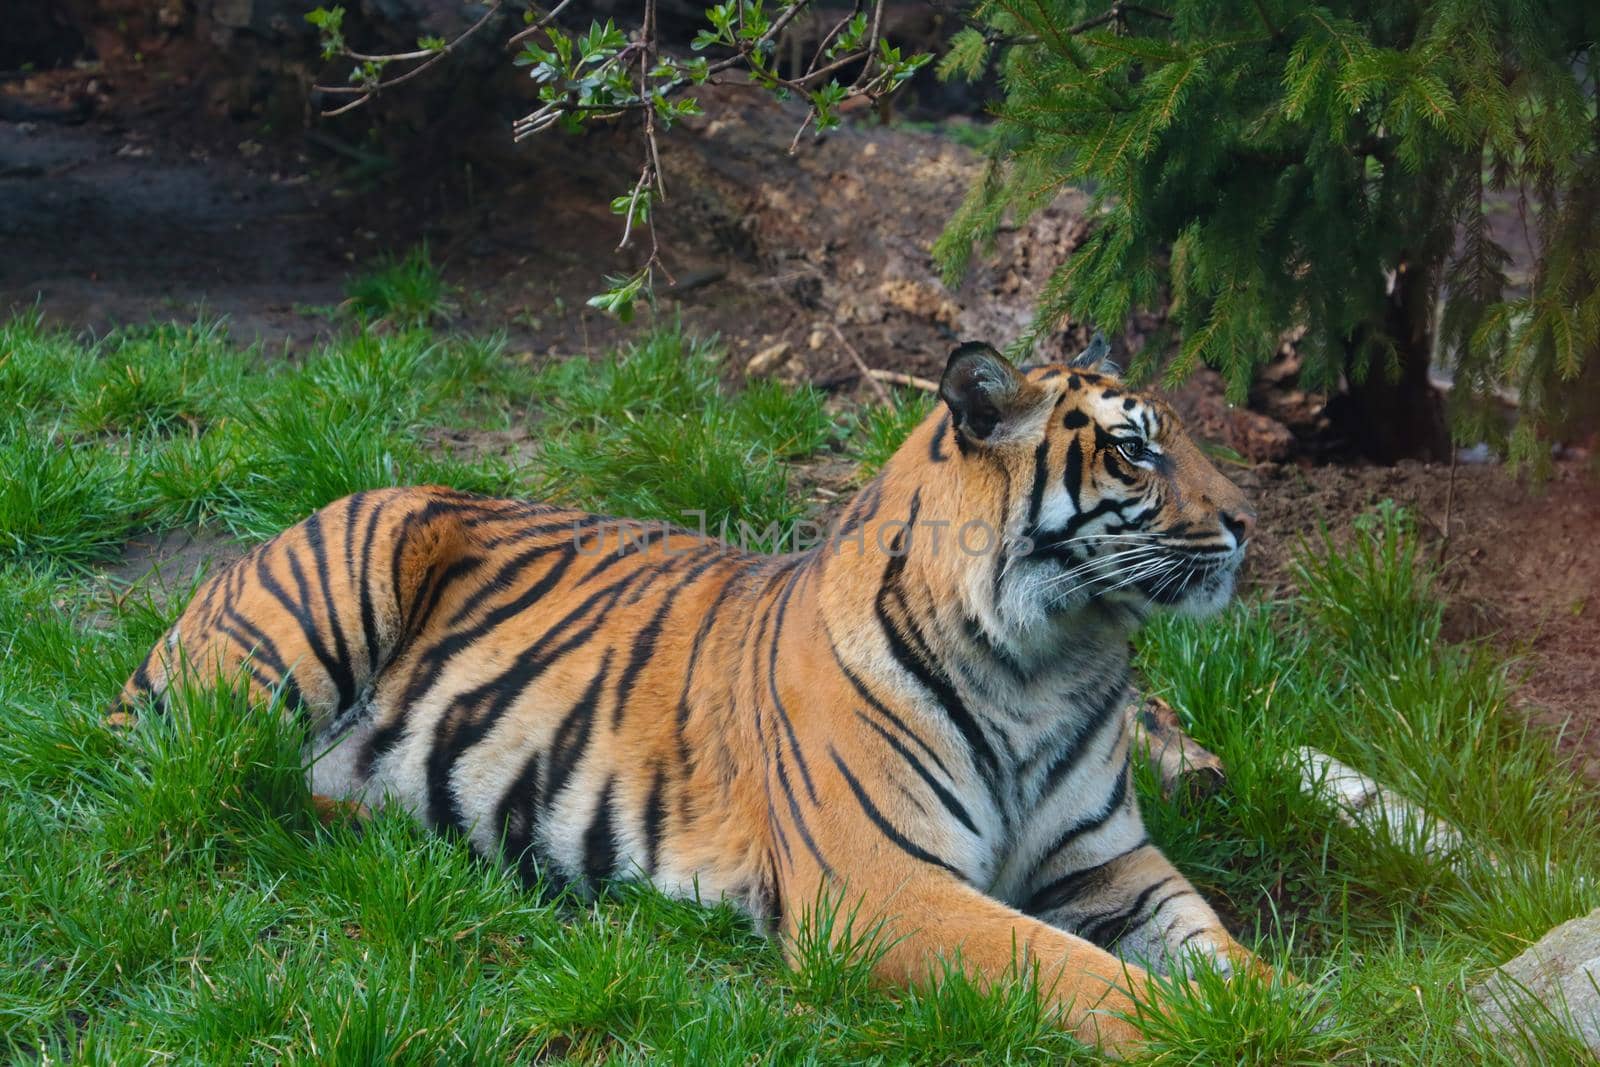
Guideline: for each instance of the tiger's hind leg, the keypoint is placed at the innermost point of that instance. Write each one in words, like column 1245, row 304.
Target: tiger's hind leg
column 312, row 618
column 340, row 786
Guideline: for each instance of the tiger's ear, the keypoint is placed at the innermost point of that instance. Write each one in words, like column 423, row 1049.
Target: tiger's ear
column 1094, row 358
column 984, row 392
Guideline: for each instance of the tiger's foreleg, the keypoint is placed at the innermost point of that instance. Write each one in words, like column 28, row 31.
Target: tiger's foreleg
column 933, row 922
column 1138, row 906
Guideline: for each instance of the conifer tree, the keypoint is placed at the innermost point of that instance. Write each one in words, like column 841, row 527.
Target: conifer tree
column 1266, row 164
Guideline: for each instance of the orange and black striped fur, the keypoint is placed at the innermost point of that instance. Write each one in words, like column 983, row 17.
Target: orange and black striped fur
column 921, row 715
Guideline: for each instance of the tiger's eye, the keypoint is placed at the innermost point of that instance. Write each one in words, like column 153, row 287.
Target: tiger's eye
column 1133, row 450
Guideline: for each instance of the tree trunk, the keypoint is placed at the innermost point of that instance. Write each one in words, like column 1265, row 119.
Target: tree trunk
column 1393, row 417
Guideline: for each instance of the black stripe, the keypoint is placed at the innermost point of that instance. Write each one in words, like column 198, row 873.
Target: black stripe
column 427, row 599
column 1078, row 745
column 963, row 446
column 654, row 815
column 882, row 709
column 516, row 817
column 864, row 508
column 799, row 819
column 951, row 803
column 936, row 453
column 1041, row 460
column 909, row 847
column 910, row 650
column 999, row 655
column 1107, row 506
column 571, row 738
column 261, row 648
column 1114, row 803
column 772, row 688
column 507, row 575
column 455, row 733
column 433, row 659
column 772, row 895
column 1121, row 921
column 363, row 581
column 1072, row 475
column 293, row 699
column 1071, row 886
column 444, row 504
column 644, row 642
column 338, row 669
column 141, row 676
column 777, row 829
column 600, row 841
column 681, row 723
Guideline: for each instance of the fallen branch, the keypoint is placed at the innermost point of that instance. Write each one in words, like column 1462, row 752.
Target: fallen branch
column 1360, row 801
column 1186, row 769
column 894, row 377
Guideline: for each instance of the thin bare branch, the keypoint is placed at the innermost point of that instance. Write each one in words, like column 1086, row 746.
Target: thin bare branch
column 547, row 19
column 827, row 41
column 633, row 204
column 435, row 56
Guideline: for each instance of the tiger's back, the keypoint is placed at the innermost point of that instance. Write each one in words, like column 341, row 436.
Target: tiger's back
column 521, row 674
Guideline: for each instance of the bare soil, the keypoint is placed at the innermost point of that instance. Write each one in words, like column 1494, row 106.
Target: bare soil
column 1520, row 567
column 123, row 200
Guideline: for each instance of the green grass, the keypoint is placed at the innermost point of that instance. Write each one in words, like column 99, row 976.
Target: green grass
column 406, row 291
column 166, row 894
column 649, row 432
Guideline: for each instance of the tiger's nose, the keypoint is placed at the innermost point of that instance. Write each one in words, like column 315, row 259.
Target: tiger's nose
column 1240, row 523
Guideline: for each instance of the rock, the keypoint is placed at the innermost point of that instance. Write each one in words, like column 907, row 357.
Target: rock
column 916, row 298
column 234, row 14
column 767, row 360
column 268, row 19
column 1561, row 971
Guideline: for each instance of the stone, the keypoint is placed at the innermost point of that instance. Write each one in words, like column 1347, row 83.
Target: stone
column 920, row 300
column 1561, row 971
column 234, row 14
column 767, row 360
column 268, row 19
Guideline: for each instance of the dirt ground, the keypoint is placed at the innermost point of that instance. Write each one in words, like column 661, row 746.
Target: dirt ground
column 121, row 201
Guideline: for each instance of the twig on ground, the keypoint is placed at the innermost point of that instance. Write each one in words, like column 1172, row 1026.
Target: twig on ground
column 877, row 386
column 894, row 377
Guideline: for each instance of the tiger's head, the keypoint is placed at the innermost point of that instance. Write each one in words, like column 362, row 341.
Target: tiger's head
column 1099, row 495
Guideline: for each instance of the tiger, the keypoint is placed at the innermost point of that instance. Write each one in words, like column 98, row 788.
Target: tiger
column 921, row 713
